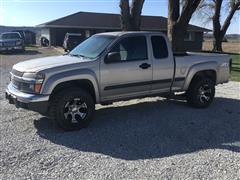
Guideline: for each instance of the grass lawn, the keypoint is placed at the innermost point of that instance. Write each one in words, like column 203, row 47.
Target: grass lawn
column 235, row 75
column 31, row 47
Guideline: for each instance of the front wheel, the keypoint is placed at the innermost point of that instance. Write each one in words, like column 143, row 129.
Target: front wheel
column 201, row 93
column 74, row 109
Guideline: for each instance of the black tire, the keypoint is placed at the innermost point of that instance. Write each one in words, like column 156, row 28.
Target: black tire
column 60, row 108
column 201, row 93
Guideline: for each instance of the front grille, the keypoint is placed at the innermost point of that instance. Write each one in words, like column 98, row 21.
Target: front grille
column 21, row 86
column 17, row 73
column 14, row 78
column 16, row 83
column 9, row 44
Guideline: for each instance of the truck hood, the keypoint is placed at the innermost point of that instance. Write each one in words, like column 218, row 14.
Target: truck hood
column 39, row 64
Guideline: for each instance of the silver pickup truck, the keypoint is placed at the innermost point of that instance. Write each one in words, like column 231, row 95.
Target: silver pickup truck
column 110, row 67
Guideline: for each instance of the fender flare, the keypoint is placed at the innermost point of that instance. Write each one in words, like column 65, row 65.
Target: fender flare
column 206, row 66
column 83, row 74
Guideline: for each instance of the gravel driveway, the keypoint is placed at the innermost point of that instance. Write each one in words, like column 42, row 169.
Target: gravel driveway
column 151, row 138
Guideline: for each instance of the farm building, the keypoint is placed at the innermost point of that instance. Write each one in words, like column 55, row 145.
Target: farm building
column 88, row 24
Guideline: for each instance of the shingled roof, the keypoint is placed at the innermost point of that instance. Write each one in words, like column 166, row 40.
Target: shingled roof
column 110, row 21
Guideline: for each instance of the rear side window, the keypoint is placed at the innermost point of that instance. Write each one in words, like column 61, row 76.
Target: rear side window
column 132, row 48
column 159, row 45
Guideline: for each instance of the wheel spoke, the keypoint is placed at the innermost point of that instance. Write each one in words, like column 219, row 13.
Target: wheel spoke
column 200, row 89
column 206, row 97
column 74, row 118
column 83, row 105
column 204, row 93
column 66, row 115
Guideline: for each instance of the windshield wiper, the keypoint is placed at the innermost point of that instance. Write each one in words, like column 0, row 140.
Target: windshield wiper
column 78, row 55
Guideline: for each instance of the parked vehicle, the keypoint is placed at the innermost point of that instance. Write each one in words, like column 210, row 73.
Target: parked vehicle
column 110, row 67
column 11, row 41
column 28, row 36
column 22, row 34
column 71, row 40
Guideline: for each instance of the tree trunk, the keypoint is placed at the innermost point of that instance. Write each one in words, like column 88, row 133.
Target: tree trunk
column 173, row 15
column 218, row 31
column 131, row 17
column 136, row 12
column 125, row 15
column 177, row 39
column 217, row 45
column 178, row 23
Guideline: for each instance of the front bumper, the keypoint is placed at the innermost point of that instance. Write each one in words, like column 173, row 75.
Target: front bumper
column 33, row 102
column 12, row 48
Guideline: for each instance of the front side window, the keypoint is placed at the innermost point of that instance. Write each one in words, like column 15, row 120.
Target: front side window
column 132, row 48
column 160, row 48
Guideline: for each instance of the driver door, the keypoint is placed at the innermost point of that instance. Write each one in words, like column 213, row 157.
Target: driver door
column 131, row 75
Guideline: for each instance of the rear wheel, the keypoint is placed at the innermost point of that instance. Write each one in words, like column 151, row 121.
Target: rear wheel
column 74, row 109
column 201, row 93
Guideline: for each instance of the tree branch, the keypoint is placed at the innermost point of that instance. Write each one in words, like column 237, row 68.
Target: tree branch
column 188, row 9
column 227, row 21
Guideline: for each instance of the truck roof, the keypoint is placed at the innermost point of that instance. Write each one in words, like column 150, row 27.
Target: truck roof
column 121, row 33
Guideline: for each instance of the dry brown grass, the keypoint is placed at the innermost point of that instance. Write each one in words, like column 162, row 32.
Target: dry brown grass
column 231, row 47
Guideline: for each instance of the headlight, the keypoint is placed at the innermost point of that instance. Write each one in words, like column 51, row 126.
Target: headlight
column 19, row 43
column 33, row 82
column 38, row 77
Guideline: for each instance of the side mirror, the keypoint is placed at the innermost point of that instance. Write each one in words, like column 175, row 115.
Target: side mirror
column 112, row 57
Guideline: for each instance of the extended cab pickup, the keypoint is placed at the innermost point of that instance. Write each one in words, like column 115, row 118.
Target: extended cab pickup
column 110, row 67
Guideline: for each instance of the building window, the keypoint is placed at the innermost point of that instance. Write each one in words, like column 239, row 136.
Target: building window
column 190, row 36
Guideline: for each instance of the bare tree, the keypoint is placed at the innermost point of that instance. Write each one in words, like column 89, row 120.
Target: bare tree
column 131, row 16
column 179, row 16
column 211, row 11
column 219, row 30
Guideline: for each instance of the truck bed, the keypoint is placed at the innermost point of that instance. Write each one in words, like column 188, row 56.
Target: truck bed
column 189, row 60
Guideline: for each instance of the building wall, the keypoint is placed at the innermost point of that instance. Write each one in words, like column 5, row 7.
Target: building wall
column 56, row 36
column 195, row 44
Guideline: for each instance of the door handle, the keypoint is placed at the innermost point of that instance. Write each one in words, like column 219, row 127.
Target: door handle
column 145, row 66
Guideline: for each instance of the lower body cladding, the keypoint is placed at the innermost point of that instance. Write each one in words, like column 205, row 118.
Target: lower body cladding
column 36, row 103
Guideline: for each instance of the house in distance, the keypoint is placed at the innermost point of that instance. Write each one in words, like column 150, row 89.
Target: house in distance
column 87, row 24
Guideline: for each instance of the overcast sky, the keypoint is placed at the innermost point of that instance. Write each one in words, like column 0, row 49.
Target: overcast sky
column 34, row 12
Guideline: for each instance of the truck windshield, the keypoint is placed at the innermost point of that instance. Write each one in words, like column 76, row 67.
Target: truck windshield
column 10, row 36
column 92, row 47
